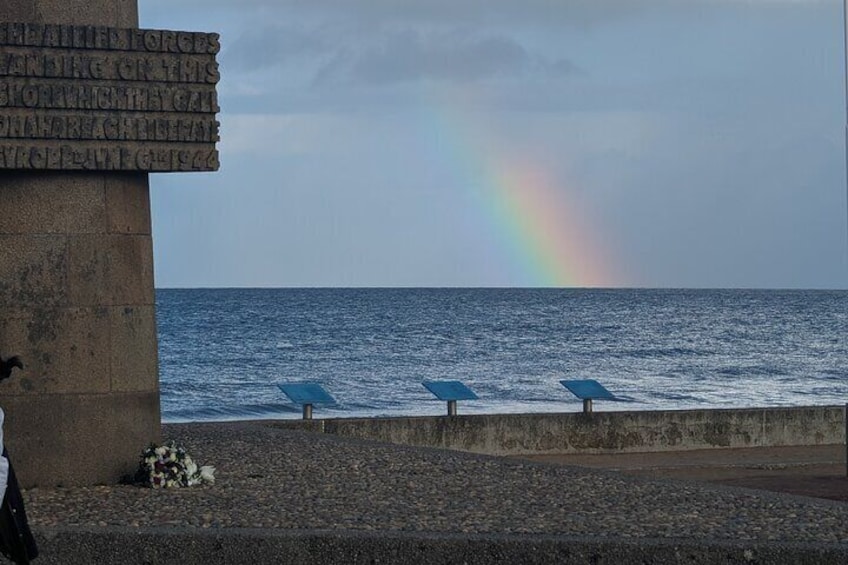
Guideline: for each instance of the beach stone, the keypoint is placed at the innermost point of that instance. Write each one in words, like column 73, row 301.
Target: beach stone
column 308, row 488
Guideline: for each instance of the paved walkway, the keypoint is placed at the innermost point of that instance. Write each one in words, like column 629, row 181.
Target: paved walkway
column 818, row 471
column 274, row 478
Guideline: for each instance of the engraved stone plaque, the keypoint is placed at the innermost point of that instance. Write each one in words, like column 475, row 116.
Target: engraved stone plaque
column 94, row 98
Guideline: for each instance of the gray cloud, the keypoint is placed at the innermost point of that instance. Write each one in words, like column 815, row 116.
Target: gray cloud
column 534, row 12
column 705, row 136
column 272, row 46
column 349, row 55
column 410, row 56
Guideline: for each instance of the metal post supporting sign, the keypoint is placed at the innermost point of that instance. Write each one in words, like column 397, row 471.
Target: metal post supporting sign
column 450, row 391
column 588, row 390
column 307, row 394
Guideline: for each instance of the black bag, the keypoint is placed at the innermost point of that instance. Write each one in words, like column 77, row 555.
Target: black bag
column 16, row 541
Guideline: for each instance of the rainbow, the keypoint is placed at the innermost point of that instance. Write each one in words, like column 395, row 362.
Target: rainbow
column 535, row 220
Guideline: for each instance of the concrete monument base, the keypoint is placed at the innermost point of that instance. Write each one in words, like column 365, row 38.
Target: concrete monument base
column 95, row 439
column 89, row 105
column 77, row 305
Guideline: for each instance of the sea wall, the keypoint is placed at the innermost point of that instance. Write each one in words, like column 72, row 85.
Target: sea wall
column 598, row 432
column 129, row 546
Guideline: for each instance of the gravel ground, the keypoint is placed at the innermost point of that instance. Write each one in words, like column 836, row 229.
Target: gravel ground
column 268, row 477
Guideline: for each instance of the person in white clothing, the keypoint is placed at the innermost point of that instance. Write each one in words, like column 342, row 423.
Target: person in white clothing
column 5, row 372
column 16, row 540
column 4, row 463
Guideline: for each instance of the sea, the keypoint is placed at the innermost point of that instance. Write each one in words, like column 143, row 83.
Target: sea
column 223, row 352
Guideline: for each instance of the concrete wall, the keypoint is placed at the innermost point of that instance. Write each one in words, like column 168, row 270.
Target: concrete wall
column 77, row 304
column 129, row 546
column 599, row 432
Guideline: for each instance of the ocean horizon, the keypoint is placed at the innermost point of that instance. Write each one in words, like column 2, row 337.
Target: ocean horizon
column 224, row 351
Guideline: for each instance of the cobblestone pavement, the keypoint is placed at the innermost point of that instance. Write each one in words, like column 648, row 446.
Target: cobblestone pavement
column 268, row 477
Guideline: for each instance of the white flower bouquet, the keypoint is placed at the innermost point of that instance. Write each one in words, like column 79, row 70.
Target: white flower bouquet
column 168, row 466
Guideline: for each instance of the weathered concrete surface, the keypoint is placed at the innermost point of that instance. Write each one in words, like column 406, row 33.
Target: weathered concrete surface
column 113, row 13
column 228, row 547
column 77, row 303
column 77, row 439
column 599, row 432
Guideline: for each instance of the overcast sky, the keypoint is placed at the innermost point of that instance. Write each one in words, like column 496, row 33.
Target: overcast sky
column 653, row 143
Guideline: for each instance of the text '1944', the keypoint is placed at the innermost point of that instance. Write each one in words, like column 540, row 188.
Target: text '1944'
column 98, row 98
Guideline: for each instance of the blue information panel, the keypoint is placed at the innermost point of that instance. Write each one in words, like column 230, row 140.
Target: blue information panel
column 588, row 389
column 450, row 390
column 307, row 393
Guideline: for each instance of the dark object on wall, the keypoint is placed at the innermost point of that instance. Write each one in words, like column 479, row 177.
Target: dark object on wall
column 7, row 365
column 16, row 541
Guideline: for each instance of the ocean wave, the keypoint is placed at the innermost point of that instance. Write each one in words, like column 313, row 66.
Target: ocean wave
column 226, row 413
column 371, row 348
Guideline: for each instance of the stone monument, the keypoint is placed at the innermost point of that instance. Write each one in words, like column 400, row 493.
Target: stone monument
column 89, row 105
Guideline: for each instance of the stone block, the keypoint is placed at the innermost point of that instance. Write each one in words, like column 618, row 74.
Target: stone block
column 111, row 270
column 115, row 13
column 70, row 440
column 34, row 272
column 133, row 349
column 64, row 350
column 19, row 11
column 128, row 204
column 77, row 298
column 52, row 203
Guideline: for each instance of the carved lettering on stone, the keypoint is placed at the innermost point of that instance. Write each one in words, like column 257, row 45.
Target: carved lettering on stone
column 99, row 98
